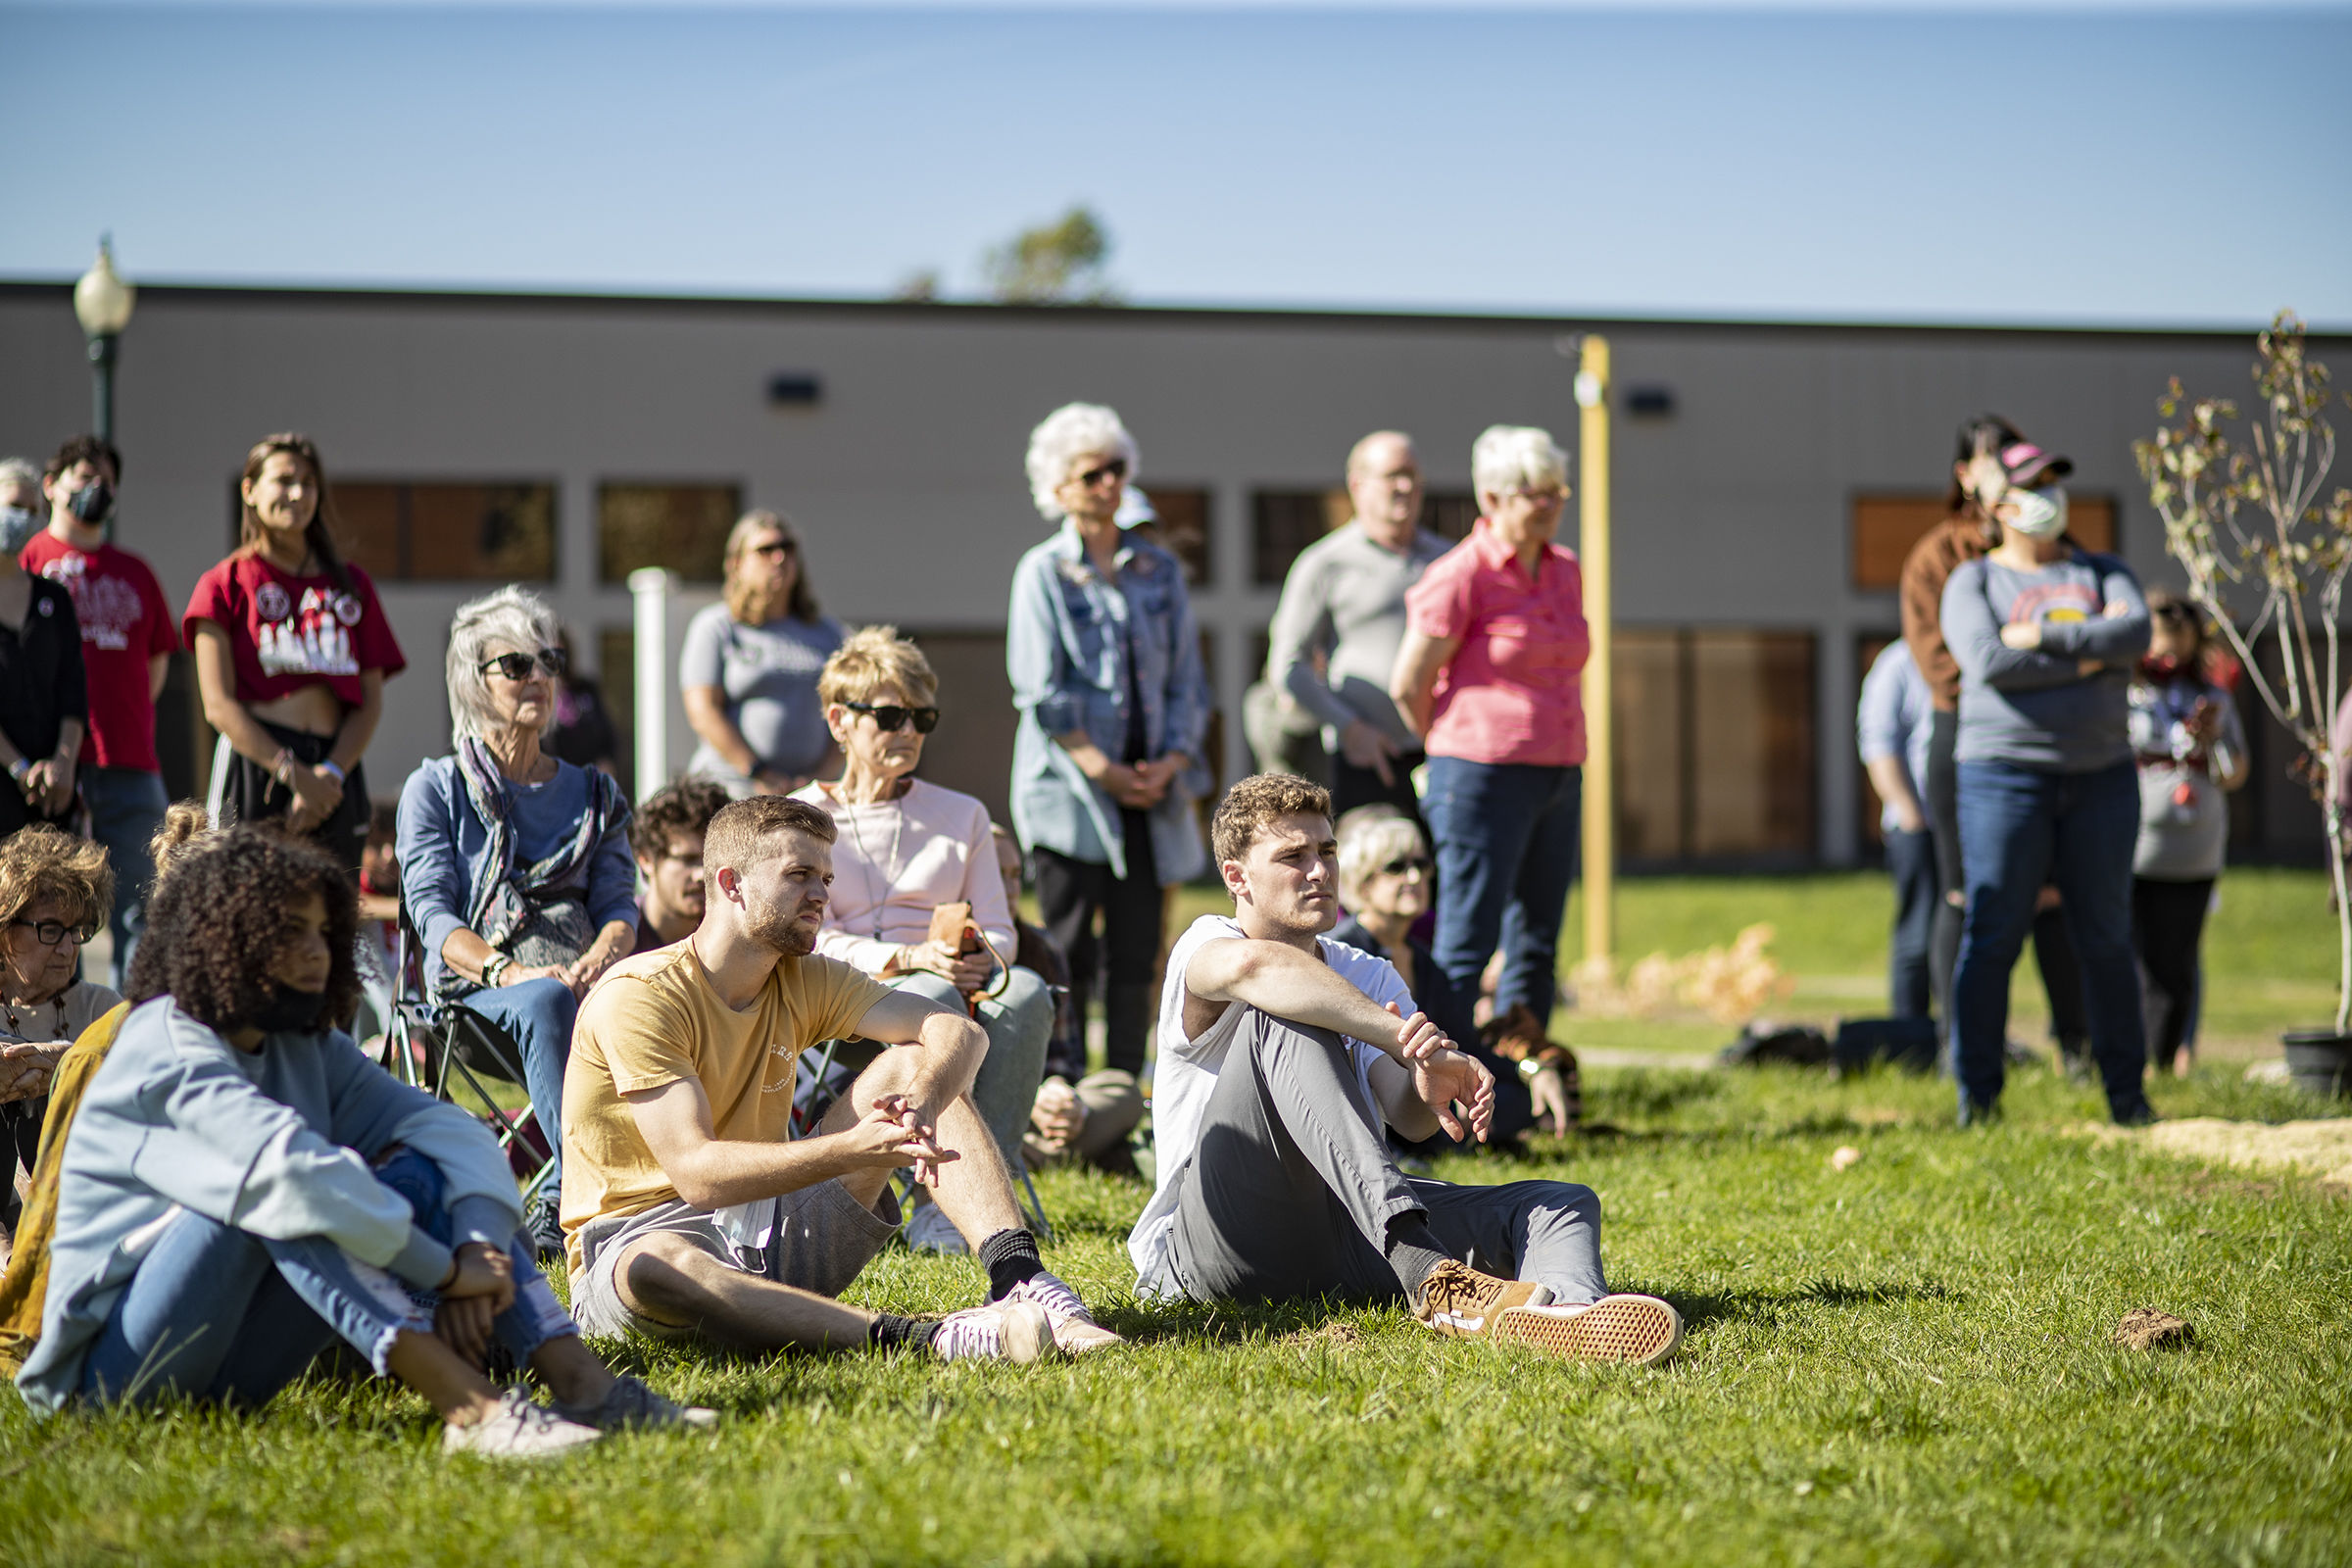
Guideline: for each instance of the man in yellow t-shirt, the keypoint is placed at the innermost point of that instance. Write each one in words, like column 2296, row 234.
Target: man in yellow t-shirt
column 688, row 1208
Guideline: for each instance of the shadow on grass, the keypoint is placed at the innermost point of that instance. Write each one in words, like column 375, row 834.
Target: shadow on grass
column 1699, row 1309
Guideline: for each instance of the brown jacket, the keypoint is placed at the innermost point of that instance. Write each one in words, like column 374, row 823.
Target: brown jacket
column 1930, row 566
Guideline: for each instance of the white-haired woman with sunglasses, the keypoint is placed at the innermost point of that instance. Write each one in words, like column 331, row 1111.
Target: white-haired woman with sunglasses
column 748, row 667
column 909, row 845
column 515, row 866
column 1107, row 672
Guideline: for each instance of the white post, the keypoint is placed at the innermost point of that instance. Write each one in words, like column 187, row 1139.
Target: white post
column 650, row 588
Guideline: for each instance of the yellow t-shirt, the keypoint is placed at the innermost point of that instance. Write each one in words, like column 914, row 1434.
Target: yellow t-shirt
column 654, row 1019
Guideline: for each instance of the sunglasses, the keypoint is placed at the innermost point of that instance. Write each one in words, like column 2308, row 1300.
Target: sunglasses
column 49, row 933
column 1404, row 863
column 776, row 548
column 889, row 716
column 517, row 666
column 2173, row 612
column 1116, row 468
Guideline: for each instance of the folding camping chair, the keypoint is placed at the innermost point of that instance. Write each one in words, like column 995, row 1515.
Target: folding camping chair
column 441, row 1047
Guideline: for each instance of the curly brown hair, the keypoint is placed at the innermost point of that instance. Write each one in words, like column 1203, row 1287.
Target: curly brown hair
column 215, row 921
column 40, row 862
column 682, row 807
column 1255, row 802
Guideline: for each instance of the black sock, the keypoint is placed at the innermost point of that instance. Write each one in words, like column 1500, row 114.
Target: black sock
column 890, row 1332
column 1010, row 1258
column 1413, row 1250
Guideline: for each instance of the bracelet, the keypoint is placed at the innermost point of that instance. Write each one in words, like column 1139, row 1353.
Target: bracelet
column 334, row 770
column 20, row 767
column 498, row 965
column 282, row 765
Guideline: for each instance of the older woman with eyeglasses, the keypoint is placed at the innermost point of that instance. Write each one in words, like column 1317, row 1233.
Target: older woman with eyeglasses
column 907, row 848
column 1488, row 675
column 55, row 892
column 515, row 866
column 749, row 667
column 1106, row 673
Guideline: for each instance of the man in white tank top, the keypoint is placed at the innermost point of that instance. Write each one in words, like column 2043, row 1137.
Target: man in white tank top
column 1281, row 1054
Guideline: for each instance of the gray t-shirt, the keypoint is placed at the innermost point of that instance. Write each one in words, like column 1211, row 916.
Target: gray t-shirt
column 1345, row 598
column 2183, row 815
column 769, row 675
column 2033, row 707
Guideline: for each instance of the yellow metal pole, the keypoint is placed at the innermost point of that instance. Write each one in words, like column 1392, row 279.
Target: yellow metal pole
column 1600, row 781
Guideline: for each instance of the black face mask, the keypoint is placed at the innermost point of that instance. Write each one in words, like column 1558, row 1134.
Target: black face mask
column 92, row 501
column 290, row 1011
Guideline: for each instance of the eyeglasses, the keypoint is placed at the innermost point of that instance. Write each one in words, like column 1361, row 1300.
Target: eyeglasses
column 1547, row 495
column 517, row 666
column 49, row 933
column 1404, row 863
column 776, row 548
column 890, row 717
column 1115, row 469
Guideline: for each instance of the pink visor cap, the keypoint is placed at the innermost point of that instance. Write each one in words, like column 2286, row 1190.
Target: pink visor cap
column 2028, row 465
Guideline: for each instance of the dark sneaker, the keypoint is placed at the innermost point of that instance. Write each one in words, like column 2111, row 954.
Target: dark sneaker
column 1460, row 1302
column 631, row 1407
column 1639, row 1330
column 521, row 1430
column 545, row 1228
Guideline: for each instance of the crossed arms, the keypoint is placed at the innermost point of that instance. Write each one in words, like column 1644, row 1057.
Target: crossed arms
column 898, row 1129
column 1421, row 1081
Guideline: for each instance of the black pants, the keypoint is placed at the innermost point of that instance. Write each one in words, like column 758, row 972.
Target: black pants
column 1911, row 863
column 1126, row 958
column 252, row 795
column 1352, row 786
column 19, row 1141
column 2053, row 950
column 2167, row 921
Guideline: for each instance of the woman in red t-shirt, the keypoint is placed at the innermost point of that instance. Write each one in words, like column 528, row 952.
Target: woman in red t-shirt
column 291, row 654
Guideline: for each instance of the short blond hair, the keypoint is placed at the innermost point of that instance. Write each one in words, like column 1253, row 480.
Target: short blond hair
column 1516, row 456
column 870, row 659
column 1366, row 843
column 1257, row 801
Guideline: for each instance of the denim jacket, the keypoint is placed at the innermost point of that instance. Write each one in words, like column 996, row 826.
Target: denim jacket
column 1066, row 649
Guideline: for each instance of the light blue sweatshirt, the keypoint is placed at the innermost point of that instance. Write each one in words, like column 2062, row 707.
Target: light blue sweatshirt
column 280, row 1143
column 2033, row 707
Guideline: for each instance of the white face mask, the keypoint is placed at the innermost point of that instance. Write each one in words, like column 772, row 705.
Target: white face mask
column 17, row 525
column 2035, row 513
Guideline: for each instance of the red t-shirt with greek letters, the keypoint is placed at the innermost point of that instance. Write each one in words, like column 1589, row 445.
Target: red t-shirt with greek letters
column 126, row 621
column 287, row 632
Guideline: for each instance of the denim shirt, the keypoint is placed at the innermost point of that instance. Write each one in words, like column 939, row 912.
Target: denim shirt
column 1066, row 648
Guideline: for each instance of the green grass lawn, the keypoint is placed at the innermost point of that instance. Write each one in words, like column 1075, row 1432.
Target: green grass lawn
column 1903, row 1362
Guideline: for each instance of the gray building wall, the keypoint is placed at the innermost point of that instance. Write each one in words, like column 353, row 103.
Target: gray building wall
column 906, row 478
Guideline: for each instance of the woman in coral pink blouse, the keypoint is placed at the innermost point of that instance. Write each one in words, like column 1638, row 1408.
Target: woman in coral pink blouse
column 292, row 651
column 1490, row 676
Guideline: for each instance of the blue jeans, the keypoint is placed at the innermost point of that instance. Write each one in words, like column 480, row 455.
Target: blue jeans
column 127, row 805
column 538, row 1015
column 2019, row 829
column 1911, row 863
column 1508, row 835
column 220, row 1315
column 1019, row 1023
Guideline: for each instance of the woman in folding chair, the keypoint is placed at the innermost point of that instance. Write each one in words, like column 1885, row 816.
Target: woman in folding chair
column 917, row 900
column 515, row 866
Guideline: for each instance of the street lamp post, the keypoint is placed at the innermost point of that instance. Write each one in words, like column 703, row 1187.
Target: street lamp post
column 103, row 302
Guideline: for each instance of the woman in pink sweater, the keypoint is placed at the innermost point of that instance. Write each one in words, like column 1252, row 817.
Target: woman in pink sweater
column 908, row 847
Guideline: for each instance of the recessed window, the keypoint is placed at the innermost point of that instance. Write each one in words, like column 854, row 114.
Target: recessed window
column 1282, row 523
column 681, row 526
column 1887, row 527
column 401, row 531
column 1714, row 744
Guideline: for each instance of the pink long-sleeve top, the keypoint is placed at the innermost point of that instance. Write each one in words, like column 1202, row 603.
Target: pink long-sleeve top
column 896, row 861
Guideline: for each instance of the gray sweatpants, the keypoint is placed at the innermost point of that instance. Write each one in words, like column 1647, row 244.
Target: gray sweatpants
column 1292, row 1187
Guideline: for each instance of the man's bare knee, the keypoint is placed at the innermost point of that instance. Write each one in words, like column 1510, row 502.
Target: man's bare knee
column 664, row 1276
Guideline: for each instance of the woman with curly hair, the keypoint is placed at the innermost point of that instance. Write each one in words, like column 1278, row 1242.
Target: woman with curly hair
column 292, row 653
column 748, row 668
column 242, row 1186
column 55, row 892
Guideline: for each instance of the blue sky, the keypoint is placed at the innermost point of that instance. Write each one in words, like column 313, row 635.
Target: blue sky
column 2012, row 164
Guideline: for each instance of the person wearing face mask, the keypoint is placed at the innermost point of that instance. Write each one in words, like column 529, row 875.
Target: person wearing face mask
column 129, row 636
column 2045, row 634
column 292, row 653
column 283, row 1191
column 54, row 891
column 22, row 504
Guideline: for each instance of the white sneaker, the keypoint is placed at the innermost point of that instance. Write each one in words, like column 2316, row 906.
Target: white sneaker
column 929, row 1229
column 1018, row 1332
column 521, row 1430
column 1075, row 1330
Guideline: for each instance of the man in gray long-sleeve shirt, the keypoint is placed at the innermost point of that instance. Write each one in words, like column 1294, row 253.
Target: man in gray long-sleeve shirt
column 1344, row 600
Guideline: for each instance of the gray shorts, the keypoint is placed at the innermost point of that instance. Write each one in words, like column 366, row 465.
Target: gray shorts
column 823, row 1238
